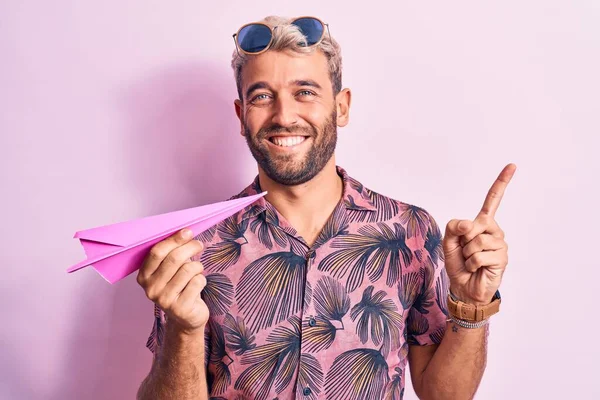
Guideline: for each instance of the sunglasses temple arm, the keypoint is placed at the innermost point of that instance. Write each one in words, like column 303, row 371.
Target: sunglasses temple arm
column 328, row 33
column 236, row 45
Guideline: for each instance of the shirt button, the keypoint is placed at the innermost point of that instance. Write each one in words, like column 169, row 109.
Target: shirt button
column 307, row 391
column 311, row 322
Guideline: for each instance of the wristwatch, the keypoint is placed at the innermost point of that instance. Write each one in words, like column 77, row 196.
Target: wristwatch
column 470, row 312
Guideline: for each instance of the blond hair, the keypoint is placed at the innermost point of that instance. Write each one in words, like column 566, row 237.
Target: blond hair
column 289, row 37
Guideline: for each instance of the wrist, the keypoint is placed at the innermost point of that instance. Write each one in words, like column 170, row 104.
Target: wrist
column 468, row 324
column 459, row 295
column 462, row 310
column 186, row 332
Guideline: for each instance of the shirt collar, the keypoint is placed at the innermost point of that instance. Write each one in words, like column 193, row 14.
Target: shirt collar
column 355, row 197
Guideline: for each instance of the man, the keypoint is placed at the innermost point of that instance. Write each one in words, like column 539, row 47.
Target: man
column 323, row 289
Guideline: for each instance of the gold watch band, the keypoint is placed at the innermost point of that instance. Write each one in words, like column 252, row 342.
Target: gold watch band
column 473, row 313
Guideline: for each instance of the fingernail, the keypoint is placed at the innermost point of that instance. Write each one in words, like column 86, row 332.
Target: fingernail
column 186, row 234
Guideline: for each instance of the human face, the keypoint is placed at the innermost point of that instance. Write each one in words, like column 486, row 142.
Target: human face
column 289, row 114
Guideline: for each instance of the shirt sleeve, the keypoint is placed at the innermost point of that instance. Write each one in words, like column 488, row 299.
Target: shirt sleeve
column 426, row 322
column 155, row 340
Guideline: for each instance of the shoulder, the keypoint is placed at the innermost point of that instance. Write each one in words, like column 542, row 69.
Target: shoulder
column 393, row 209
column 415, row 220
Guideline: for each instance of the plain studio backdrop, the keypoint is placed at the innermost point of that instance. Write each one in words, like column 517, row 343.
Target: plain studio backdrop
column 116, row 110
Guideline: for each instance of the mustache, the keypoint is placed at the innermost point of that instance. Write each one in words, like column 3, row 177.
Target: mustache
column 275, row 129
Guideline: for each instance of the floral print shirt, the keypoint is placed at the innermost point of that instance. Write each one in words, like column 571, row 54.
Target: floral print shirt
column 331, row 321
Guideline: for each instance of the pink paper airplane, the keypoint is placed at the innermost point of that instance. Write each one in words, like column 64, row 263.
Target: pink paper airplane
column 117, row 250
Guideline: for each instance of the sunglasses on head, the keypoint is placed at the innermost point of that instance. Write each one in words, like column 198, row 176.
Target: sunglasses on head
column 256, row 37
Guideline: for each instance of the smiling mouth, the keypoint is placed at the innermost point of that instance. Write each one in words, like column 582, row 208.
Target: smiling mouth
column 287, row 141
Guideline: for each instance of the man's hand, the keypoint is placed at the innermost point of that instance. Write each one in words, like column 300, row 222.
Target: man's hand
column 476, row 253
column 174, row 282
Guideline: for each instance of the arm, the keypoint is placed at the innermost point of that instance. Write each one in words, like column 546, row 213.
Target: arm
column 178, row 370
column 454, row 368
column 476, row 256
column 174, row 282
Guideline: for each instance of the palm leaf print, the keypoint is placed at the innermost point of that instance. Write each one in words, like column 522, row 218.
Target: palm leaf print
column 155, row 340
column 359, row 374
column 271, row 289
column 382, row 316
column 251, row 211
column 238, row 338
column 207, row 344
column 207, row 235
column 356, row 185
column 309, row 375
column 433, row 242
column 369, row 252
column 356, row 213
column 403, row 352
column 337, row 224
column 268, row 227
column 237, row 397
column 386, row 208
column 222, row 255
column 408, row 289
column 437, row 335
column 416, row 220
column 275, row 362
column 331, row 300
column 419, row 255
column 218, row 294
column 299, row 248
column 307, row 297
column 320, row 336
column 442, row 288
column 220, row 361
column 424, row 299
column 394, row 389
column 417, row 325
column 230, row 229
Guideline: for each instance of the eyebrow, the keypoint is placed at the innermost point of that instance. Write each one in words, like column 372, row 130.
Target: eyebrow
column 306, row 82
column 256, row 86
column 298, row 82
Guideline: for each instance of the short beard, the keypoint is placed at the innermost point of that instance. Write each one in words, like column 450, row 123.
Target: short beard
column 292, row 174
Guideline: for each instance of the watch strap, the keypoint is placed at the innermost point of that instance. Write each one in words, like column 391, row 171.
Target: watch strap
column 471, row 312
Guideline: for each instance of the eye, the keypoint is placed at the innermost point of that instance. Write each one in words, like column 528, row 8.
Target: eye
column 260, row 98
column 305, row 93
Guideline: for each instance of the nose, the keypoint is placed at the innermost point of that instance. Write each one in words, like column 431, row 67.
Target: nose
column 285, row 113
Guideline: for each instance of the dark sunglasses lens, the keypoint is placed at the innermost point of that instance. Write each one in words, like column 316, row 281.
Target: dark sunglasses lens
column 311, row 28
column 254, row 38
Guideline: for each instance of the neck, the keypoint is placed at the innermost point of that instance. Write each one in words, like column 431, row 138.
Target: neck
column 307, row 206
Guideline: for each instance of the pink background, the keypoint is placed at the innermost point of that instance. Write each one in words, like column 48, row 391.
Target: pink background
column 114, row 110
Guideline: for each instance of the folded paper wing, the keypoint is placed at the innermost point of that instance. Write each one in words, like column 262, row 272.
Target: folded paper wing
column 117, row 250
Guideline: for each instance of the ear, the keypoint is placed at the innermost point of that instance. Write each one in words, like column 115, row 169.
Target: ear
column 342, row 103
column 239, row 111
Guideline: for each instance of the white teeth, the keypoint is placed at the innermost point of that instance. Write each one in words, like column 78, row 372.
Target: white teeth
column 288, row 141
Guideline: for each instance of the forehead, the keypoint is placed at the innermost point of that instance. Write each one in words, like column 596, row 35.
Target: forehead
column 278, row 68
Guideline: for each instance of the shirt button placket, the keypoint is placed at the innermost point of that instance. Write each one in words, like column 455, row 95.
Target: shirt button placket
column 312, row 322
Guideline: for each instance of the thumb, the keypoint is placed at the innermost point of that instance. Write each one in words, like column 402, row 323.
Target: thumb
column 454, row 230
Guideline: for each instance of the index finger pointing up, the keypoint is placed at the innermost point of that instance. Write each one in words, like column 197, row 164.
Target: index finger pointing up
column 494, row 196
